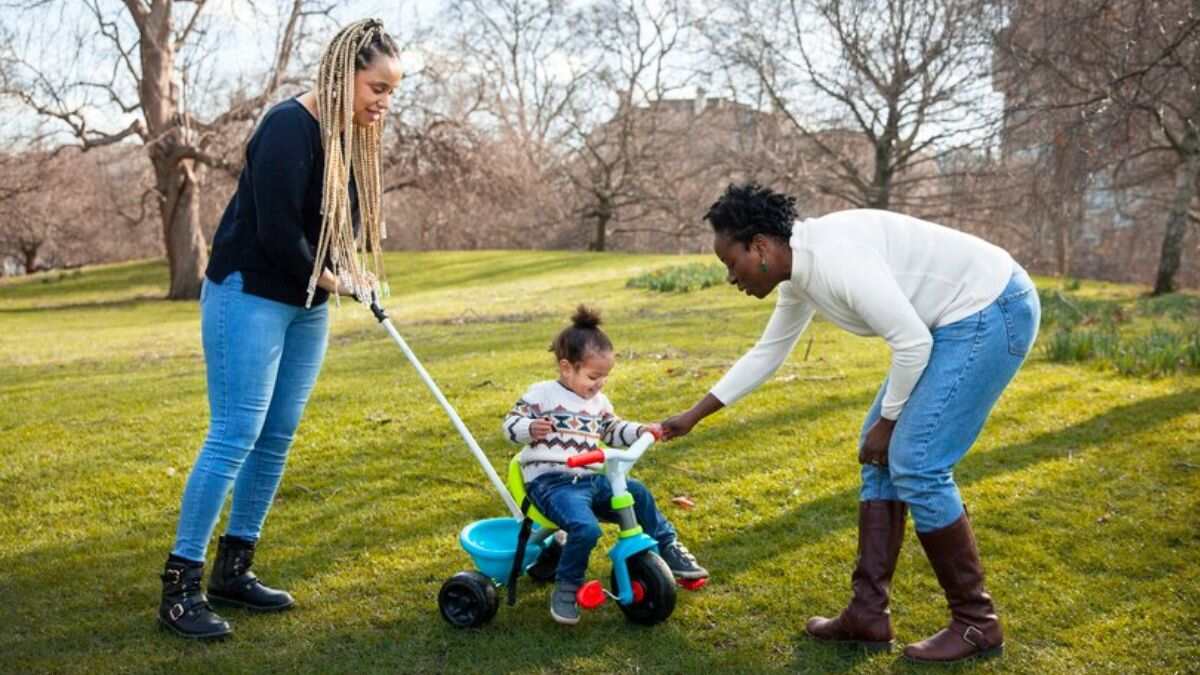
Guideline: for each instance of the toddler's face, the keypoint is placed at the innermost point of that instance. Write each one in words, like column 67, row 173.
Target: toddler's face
column 587, row 377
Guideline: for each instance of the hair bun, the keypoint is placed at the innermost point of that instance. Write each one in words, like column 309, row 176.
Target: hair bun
column 585, row 317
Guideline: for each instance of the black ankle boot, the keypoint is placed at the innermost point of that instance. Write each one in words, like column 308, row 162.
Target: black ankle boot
column 232, row 582
column 184, row 609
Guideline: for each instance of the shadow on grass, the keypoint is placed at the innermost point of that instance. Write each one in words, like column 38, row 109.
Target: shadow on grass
column 111, row 279
column 93, row 599
column 501, row 267
column 807, row 522
column 817, row 519
column 97, row 596
column 95, row 305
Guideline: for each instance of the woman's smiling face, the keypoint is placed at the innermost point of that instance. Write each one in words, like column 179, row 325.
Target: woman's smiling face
column 743, row 265
column 373, row 87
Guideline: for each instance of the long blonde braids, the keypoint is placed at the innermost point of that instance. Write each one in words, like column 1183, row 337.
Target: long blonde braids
column 349, row 146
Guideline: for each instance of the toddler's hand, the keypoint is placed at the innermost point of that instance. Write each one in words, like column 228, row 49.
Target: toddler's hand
column 540, row 428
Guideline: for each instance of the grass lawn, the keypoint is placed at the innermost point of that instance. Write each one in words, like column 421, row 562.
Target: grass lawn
column 1084, row 487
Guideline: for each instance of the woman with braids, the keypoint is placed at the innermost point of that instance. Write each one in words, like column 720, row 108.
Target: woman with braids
column 307, row 207
column 959, row 315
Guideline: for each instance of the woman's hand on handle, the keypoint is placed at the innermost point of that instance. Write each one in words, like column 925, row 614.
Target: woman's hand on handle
column 333, row 284
column 681, row 424
column 674, row 427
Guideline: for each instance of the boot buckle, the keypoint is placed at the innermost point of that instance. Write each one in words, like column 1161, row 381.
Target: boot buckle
column 173, row 574
column 177, row 610
column 967, row 636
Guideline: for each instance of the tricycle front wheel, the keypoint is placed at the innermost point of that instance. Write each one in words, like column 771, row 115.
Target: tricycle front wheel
column 657, row 599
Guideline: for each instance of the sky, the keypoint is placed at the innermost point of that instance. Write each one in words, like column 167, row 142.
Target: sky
column 239, row 45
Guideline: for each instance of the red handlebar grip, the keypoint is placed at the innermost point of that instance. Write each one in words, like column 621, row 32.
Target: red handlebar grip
column 583, row 459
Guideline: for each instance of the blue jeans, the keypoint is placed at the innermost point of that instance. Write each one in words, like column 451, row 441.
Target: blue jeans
column 576, row 503
column 262, row 358
column 972, row 361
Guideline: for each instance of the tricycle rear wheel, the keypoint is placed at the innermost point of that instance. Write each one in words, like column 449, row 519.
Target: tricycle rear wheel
column 468, row 600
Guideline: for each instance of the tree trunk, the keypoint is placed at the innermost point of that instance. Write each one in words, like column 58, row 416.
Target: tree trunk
column 29, row 252
column 598, row 243
column 1070, row 180
column 1062, row 243
column 880, row 196
column 177, row 179
column 1177, row 219
column 187, row 254
column 603, row 215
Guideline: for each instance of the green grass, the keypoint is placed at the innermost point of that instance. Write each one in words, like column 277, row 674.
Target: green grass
column 1084, row 487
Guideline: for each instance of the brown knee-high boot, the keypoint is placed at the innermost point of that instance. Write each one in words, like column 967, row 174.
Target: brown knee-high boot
column 974, row 629
column 867, row 621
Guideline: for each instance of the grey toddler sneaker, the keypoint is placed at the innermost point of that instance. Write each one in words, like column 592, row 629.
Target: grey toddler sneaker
column 563, row 607
column 681, row 561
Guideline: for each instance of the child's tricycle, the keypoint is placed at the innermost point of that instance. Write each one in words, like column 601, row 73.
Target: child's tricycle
column 641, row 582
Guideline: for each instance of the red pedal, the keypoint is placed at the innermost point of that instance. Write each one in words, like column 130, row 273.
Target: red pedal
column 590, row 595
column 693, row 584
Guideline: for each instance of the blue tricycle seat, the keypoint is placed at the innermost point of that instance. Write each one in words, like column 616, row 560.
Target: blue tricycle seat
column 491, row 544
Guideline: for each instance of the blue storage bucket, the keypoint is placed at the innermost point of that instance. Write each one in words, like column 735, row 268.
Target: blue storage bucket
column 491, row 544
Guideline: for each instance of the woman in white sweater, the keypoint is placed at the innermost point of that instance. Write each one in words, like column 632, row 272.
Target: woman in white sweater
column 959, row 316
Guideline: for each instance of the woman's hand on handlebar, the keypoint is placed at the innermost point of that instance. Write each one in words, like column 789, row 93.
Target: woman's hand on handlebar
column 674, row 427
column 681, row 424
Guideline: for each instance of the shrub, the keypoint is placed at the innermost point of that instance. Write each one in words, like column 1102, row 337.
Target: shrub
column 680, row 278
column 1159, row 353
column 1174, row 306
column 1067, row 311
column 1069, row 345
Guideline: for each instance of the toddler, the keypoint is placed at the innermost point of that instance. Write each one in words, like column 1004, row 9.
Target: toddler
column 555, row 419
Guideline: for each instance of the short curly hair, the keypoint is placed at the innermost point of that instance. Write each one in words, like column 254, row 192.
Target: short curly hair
column 748, row 209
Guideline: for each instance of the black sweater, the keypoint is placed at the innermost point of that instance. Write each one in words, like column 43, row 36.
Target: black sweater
column 270, row 229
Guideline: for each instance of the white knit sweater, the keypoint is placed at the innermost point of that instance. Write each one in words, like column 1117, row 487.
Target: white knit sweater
column 580, row 425
column 875, row 273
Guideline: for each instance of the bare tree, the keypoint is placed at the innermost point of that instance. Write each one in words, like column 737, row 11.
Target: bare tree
column 1131, row 70
column 513, row 61
column 147, row 78
column 518, row 55
column 909, row 77
column 623, row 132
column 24, row 231
column 47, row 211
column 454, row 176
column 1157, row 79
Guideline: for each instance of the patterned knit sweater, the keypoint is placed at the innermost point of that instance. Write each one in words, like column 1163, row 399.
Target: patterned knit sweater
column 580, row 425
